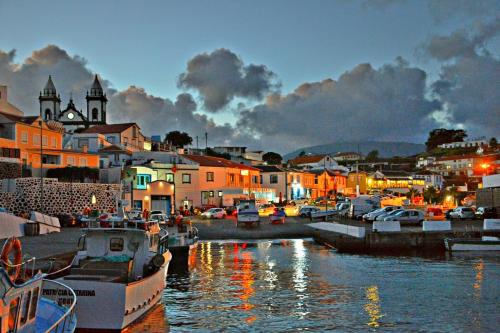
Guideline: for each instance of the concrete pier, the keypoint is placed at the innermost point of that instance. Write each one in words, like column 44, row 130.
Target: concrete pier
column 408, row 239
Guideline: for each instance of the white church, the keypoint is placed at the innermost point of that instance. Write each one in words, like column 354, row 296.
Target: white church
column 71, row 117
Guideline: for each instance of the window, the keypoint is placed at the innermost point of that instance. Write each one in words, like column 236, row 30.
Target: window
column 211, row 194
column 24, row 137
column 95, row 114
column 260, row 176
column 26, row 306
column 54, row 142
column 255, row 179
column 210, row 176
column 70, row 160
column 83, row 162
column 241, row 179
column 34, row 302
column 316, row 180
column 169, row 177
column 83, row 142
column 45, row 141
column 116, row 244
column 273, row 179
column 186, row 178
column 48, row 114
column 14, row 306
column 298, row 179
column 142, row 181
column 220, row 194
column 231, row 177
column 110, row 139
column 36, row 139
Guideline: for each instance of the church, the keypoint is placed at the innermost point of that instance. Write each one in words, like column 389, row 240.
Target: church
column 71, row 117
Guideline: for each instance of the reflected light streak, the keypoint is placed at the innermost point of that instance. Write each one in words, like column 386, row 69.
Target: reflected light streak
column 372, row 308
column 478, row 268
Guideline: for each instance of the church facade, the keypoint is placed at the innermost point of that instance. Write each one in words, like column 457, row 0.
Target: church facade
column 71, row 117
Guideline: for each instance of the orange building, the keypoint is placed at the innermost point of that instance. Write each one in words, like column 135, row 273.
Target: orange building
column 22, row 139
column 328, row 182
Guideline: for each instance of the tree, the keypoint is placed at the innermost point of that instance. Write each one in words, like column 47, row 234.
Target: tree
column 431, row 195
column 302, row 153
column 493, row 143
column 439, row 136
column 178, row 139
column 372, row 156
column 272, row 158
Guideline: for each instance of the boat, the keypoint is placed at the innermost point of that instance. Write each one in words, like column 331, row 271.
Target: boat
column 485, row 243
column 29, row 302
column 182, row 238
column 247, row 213
column 119, row 272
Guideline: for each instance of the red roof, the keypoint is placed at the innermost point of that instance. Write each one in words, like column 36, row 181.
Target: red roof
column 218, row 162
column 306, row 159
column 108, row 129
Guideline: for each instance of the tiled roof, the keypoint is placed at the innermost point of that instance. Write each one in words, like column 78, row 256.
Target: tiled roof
column 108, row 129
column 217, row 162
column 306, row 159
column 115, row 149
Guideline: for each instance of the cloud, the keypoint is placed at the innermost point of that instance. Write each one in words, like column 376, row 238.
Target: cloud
column 155, row 115
column 460, row 43
column 444, row 10
column 388, row 103
column 221, row 76
column 467, row 88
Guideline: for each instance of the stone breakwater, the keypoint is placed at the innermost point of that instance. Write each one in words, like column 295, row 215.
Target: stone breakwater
column 23, row 195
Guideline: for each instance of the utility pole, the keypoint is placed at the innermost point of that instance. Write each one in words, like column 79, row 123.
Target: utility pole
column 357, row 174
column 326, row 196
column 206, row 142
column 41, row 162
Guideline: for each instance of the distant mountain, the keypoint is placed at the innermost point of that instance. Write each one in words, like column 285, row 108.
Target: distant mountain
column 385, row 149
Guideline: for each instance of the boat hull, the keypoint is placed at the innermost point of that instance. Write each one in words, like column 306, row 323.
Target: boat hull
column 113, row 306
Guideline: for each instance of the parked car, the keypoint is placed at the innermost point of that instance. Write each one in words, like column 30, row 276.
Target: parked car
column 306, row 211
column 266, row 209
column 214, row 213
column 486, row 213
column 371, row 216
column 461, row 213
column 67, row 220
column 381, row 217
column 409, row 216
column 232, row 211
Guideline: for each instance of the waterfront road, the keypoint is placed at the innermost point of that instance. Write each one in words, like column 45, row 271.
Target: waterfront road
column 44, row 246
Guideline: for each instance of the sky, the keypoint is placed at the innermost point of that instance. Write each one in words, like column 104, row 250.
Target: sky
column 273, row 75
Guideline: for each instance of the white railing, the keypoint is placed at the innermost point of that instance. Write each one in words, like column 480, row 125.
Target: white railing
column 68, row 302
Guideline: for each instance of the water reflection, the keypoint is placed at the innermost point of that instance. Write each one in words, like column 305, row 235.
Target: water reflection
column 372, row 308
column 296, row 285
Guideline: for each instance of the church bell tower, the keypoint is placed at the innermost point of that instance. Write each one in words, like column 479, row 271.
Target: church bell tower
column 50, row 101
column 96, row 104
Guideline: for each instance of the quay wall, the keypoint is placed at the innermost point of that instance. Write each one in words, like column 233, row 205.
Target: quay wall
column 23, row 195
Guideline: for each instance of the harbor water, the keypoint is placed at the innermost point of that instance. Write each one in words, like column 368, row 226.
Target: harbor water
column 297, row 285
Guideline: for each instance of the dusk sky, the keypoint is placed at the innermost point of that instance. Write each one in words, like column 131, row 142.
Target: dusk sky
column 275, row 74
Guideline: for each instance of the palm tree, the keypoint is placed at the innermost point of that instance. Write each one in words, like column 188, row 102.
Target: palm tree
column 431, row 194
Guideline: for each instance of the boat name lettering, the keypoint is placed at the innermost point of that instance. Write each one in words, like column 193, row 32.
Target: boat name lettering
column 64, row 292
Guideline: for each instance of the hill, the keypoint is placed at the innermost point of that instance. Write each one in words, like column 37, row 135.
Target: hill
column 385, row 149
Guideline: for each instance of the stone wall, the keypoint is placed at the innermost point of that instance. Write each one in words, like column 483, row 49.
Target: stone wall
column 10, row 170
column 58, row 197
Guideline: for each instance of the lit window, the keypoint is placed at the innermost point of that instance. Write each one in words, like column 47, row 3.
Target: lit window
column 210, row 176
column 142, row 181
column 169, row 177
column 211, row 193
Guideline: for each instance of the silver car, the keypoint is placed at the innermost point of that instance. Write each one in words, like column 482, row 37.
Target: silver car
column 410, row 216
column 381, row 217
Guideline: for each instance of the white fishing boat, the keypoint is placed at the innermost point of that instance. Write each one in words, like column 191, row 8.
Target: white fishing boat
column 486, row 243
column 120, row 272
column 182, row 237
column 27, row 301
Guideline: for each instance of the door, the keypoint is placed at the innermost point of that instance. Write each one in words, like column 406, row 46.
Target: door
column 404, row 217
column 414, row 217
column 162, row 203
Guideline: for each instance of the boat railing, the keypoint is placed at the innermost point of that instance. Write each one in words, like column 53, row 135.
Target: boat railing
column 26, row 268
column 119, row 224
column 64, row 297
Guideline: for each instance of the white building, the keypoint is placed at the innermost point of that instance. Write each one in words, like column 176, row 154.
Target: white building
column 465, row 144
column 316, row 162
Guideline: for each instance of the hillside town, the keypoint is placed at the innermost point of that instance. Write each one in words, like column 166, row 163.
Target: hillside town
column 79, row 146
